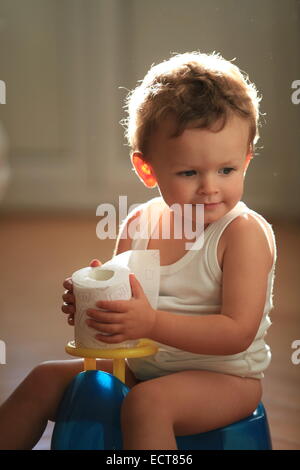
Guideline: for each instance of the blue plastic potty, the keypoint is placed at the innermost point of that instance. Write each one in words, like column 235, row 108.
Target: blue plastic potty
column 89, row 419
column 251, row 433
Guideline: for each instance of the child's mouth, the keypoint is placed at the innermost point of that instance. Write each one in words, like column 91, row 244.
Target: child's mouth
column 212, row 205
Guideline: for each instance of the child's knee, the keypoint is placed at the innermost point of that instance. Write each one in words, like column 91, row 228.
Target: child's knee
column 48, row 381
column 53, row 374
column 136, row 402
column 145, row 400
column 41, row 376
column 34, row 385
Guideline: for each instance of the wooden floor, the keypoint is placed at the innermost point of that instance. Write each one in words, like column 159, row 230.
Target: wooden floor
column 38, row 252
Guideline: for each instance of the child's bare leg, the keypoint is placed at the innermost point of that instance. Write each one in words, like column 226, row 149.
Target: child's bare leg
column 185, row 403
column 24, row 415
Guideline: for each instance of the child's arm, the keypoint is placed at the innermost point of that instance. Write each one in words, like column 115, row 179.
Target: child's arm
column 246, row 265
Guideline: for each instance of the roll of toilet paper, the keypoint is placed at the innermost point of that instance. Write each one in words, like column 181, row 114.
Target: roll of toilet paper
column 110, row 281
column 91, row 285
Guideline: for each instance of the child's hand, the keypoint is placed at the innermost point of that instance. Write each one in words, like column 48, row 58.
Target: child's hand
column 68, row 306
column 125, row 319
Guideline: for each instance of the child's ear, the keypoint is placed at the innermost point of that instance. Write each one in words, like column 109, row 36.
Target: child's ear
column 144, row 170
column 248, row 159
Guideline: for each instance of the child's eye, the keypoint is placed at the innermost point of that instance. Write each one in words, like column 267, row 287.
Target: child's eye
column 184, row 173
column 227, row 170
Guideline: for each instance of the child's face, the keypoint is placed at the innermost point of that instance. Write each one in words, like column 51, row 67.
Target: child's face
column 200, row 166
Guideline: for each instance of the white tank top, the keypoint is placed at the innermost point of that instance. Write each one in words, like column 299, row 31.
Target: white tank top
column 192, row 285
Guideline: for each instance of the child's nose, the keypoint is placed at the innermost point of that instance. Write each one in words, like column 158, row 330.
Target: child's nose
column 208, row 185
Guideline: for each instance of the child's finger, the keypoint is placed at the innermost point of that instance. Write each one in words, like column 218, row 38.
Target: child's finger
column 69, row 309
column 94, row 263
column 68, row 284
column 68, row 298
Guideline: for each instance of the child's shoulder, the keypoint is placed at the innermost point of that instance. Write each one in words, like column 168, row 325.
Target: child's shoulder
column 124, row 239
column 252, row 228
column 250, row 220
column 143, row 207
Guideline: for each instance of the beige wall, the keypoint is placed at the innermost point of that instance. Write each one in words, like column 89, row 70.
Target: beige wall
column 63, row 62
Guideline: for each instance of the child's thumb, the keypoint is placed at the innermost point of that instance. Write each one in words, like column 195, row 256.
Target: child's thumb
column 94, row 263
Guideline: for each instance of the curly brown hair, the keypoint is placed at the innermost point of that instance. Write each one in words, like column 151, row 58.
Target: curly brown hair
column 195, row 88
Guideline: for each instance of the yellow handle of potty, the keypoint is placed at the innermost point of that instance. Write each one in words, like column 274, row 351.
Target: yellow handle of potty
column 144, row 347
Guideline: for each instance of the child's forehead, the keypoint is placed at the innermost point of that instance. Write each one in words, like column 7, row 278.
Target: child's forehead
column 234, row 137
